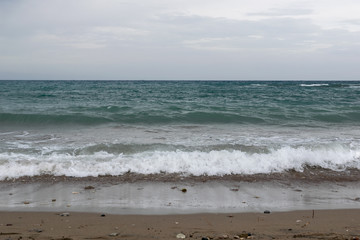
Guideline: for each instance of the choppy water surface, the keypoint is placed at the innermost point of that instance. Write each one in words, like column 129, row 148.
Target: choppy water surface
column 92, row 128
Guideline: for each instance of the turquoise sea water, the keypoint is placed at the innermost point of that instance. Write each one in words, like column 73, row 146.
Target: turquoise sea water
column 91, row 128
column 100, row 102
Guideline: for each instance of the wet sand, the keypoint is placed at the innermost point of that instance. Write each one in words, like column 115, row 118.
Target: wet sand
column 71, row 209
column 182, row 197
column 318, row 224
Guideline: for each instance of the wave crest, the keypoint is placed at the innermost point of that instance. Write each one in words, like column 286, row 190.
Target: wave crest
column 197, row 163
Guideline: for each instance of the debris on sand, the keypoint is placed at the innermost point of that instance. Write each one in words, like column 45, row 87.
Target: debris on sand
column 180, row 236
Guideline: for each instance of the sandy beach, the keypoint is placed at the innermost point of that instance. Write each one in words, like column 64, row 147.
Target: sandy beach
column 79, row 209
column 318, row 224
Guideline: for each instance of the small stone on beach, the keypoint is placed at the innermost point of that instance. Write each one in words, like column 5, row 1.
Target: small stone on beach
column 65, row 214
column 184, row 190
column 224, row 236
column 243, row 235
column 180, row 236
column 102, row 215
column 267, row 212
column 89, row 187
column 26, row 202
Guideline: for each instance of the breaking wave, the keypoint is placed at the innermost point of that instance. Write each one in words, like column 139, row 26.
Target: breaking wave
column 197, row 163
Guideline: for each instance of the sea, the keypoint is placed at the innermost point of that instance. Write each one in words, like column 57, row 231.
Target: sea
column 206, row 129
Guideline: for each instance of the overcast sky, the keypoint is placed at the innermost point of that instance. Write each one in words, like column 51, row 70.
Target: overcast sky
column 180, row 39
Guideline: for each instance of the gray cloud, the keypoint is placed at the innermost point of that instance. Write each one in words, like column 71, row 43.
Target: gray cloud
column 126, row 40
column 278, row 12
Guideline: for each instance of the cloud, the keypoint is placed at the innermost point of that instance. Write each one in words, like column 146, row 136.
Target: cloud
column 177, row 39
column 91, row 38
column 85, row 42
column 278, row 12
column 120, row 32
column 284, row 35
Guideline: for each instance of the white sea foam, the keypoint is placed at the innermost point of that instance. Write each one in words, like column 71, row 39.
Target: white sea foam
column 14, row 165
column 355, row 86
column 314, row 85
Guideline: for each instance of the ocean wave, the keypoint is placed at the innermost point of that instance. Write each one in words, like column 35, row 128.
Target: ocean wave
column 44, row 119
column 146, row 117
column 356, row 86
column 197, row 163
column 259, row 103
column 314, row 85
column 152, row 117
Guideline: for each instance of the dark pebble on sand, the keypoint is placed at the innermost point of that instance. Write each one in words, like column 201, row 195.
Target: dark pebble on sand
column 267, row 212
column 89, row 187
column 184, row 190
column 244, row 235
column 205, row 238
column 102, row 215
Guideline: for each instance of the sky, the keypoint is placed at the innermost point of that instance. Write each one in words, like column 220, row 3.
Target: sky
column 180, row 39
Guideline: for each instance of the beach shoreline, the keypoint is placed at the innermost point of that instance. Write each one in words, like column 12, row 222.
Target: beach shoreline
column 177, row 197
column 308, row 175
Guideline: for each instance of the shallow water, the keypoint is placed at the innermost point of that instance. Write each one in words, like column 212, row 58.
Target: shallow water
column 168, row 198
column 93, row 128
